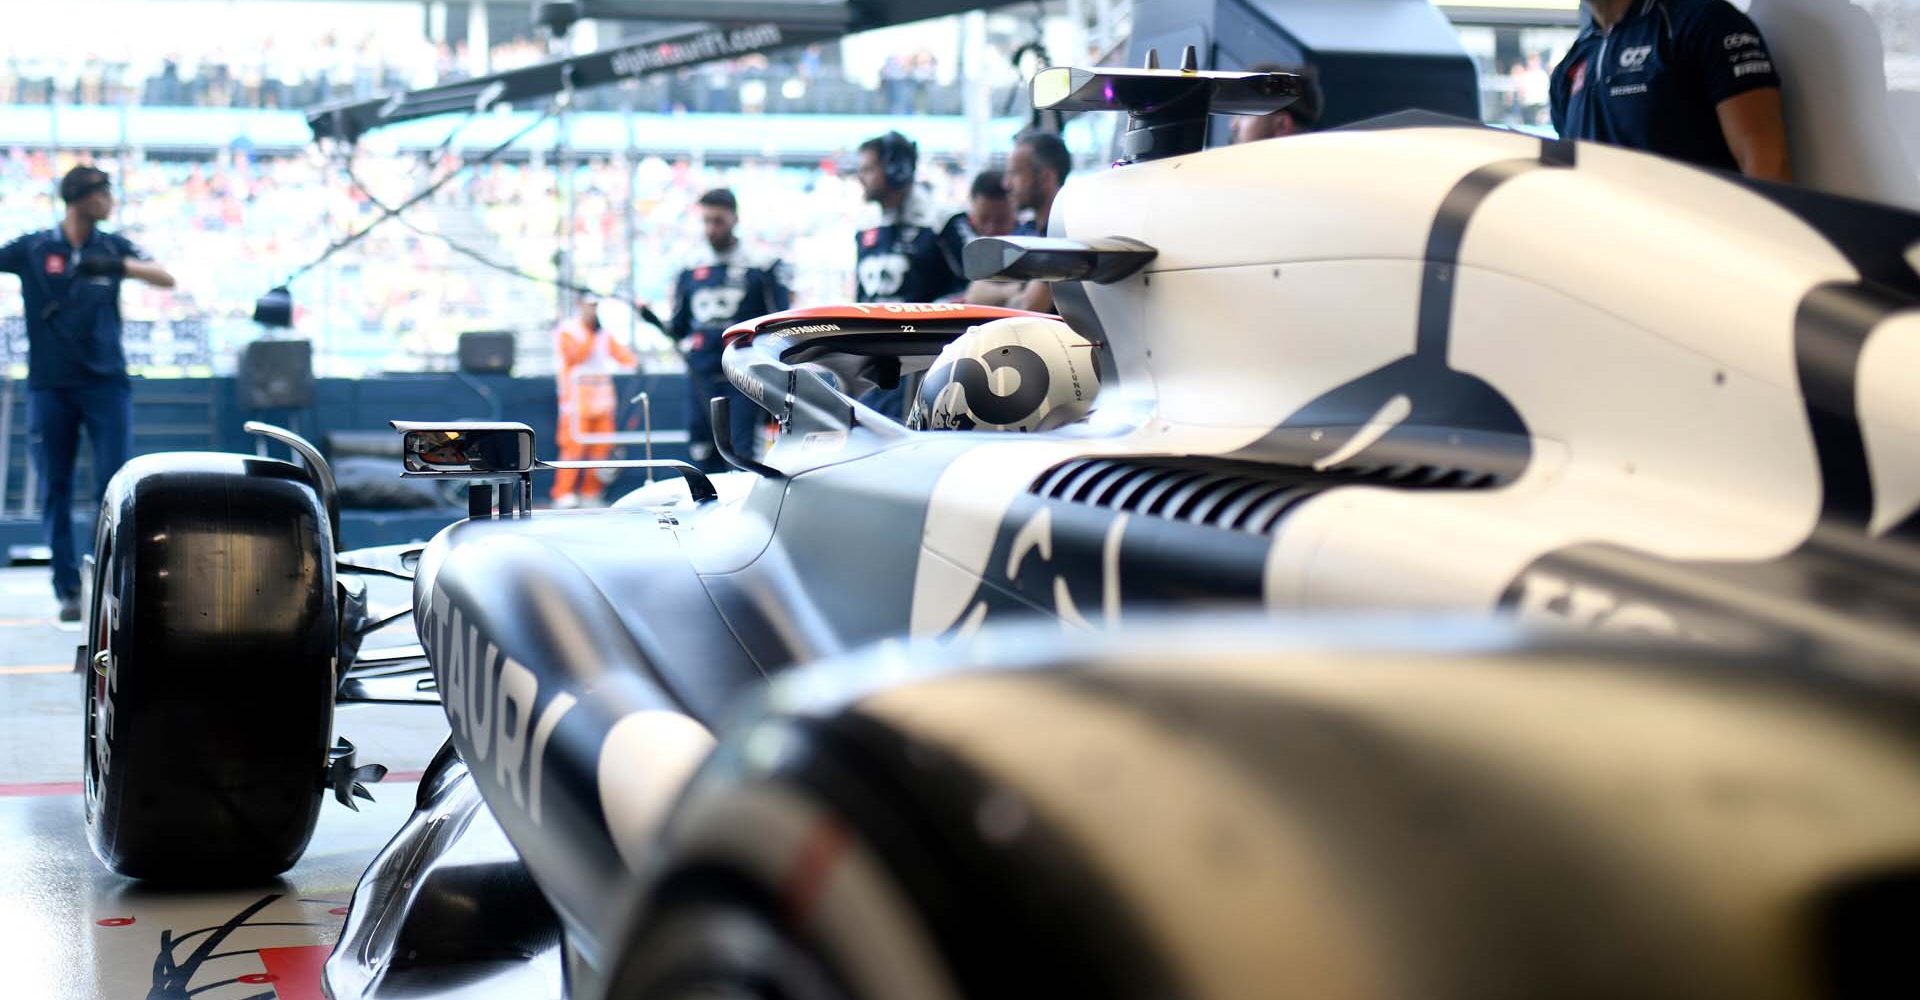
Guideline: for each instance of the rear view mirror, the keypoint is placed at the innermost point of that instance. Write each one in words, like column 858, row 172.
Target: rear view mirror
column 465, row 450
column 1041, row 258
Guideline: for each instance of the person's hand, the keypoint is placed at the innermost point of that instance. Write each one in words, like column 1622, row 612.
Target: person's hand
column 103, row 267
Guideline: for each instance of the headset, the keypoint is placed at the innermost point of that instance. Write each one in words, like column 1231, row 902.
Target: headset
column 899, row 158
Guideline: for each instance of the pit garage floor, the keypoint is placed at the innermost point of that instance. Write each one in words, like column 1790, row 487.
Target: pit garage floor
column 70, row 929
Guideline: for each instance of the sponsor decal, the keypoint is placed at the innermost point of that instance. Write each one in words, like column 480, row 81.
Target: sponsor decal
column 1635, row 57
column 56, row 264
column 1627, row 90
column 920, row 308
column 703, row 47
column 1579, row 75
column 1755, row 66
column 491, row 702
column 814, row 328
column 747, row 384
column 824, row 441
column 700, row 273
column 1741, row 40
column 870, row 237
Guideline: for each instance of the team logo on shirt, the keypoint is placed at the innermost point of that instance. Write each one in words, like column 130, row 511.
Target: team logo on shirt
column 1635, row 57
column 715, row 304
column 1579, row 75
column 1741, row 40
column 882, row 274
column 869, row 237
column 56, row 264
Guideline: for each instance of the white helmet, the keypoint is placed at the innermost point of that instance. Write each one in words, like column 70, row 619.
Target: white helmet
column 1023, row 373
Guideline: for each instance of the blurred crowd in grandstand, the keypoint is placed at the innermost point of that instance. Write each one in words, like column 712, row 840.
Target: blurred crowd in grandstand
column 232, row 227
column 272, row 74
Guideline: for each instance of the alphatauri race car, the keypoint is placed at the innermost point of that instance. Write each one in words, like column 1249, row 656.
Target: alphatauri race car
column 1422, row 560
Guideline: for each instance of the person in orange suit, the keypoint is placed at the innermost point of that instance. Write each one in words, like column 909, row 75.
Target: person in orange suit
column 589, row 357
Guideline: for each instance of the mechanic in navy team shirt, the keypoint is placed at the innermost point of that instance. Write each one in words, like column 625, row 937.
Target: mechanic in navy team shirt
column 898, row 255
column 726, row 285
column 1688, row 79
column 897, row 251
column 76, row 370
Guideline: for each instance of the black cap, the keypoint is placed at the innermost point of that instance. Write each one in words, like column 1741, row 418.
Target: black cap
column 81, row 182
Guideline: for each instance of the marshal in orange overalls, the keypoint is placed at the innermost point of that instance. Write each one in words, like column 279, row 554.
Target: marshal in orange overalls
column 589, row 357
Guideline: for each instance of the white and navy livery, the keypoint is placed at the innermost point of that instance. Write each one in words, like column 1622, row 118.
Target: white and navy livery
column 1420, row 369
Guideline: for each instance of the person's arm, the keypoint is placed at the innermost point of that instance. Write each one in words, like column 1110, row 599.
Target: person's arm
column 620, row 351
column 953, row 241
column 993, row 293
column 682, row 322
column 149, row 272
column 1559, row 93
column 13, row 256
column 573, row 349
column 1037, row 296
column 1736, row 73
column 140, row 266
column 1756, row 129
column 779, row 287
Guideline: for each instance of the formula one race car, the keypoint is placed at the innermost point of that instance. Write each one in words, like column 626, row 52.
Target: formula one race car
column 993, row 702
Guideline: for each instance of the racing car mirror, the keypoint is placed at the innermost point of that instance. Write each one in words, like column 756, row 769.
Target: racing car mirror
column 1029, row 258
column 466, row 450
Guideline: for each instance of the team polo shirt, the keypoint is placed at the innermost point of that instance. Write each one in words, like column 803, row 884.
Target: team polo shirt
column 73, row 321
column 899, row 257
column 1655, row 80
column 721, row 289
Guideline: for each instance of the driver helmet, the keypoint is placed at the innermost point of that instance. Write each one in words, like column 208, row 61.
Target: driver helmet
column 1023, row 373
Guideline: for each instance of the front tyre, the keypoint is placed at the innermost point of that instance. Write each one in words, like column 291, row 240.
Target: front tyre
column 210, row 673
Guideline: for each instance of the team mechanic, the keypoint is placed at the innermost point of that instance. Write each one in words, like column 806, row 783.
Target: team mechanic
column 1688, row 79
column 729, row 284
column 76, row 368
column 899, row 256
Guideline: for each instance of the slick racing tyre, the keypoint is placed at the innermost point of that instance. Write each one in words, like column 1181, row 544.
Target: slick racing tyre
column 209, row 669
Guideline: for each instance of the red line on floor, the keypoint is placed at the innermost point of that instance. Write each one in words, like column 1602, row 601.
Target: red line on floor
column 296, row 971
column 40, row 788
